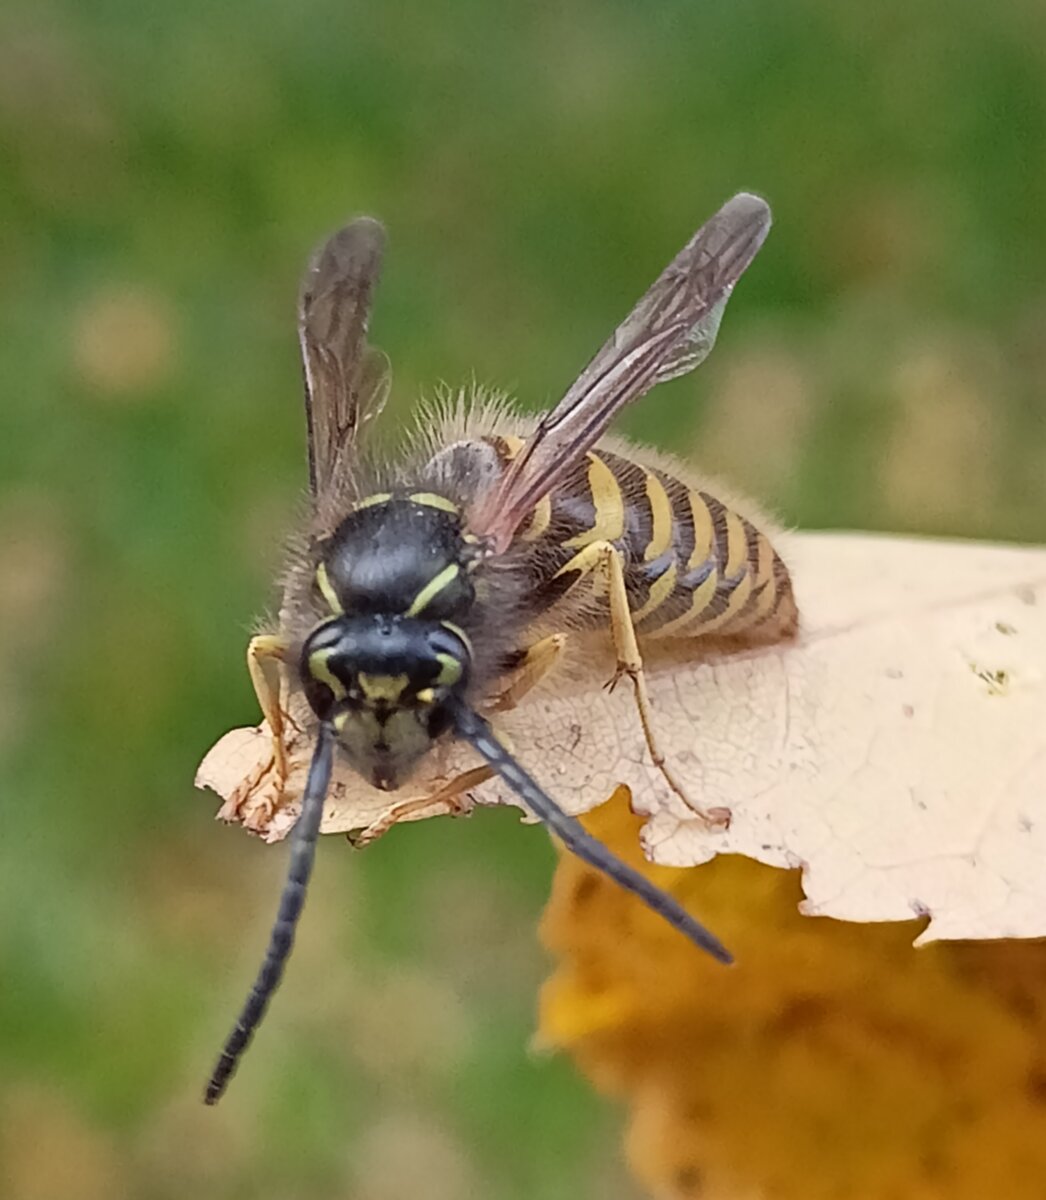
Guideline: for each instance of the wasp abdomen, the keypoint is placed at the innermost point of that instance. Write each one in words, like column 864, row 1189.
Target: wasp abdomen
column 722, row 575
column 693, row 566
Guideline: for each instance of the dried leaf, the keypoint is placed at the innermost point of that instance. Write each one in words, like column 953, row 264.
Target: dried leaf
column 831, row 1061
column 896, row 751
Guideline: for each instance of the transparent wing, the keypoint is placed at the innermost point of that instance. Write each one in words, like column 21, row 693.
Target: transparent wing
column 346, row 381
column 669, row 332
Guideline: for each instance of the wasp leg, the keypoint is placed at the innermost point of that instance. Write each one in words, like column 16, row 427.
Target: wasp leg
column 265, row 653
column 533, row 666
column 604, row 559
column 451, row 800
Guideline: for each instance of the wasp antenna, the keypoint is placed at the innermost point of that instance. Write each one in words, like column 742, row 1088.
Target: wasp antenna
column 281, row 940
column 474, row 729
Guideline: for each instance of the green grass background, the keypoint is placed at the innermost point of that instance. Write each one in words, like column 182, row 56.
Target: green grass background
column 164, row 171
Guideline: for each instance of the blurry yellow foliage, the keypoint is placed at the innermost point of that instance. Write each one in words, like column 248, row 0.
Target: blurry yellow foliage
column 835, row 1060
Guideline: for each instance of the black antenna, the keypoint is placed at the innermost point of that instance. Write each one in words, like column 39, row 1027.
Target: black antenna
column 281, row 940
column 474, row 729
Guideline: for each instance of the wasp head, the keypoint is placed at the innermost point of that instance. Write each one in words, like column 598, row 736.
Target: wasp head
column 385, row 684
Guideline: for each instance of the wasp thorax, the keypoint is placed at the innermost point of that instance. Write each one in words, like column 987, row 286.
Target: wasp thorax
column 399, row 554
column 385, row 684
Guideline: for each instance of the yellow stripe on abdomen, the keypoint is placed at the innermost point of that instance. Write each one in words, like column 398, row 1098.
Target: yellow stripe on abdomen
column 609, row 506
column 660, row 590
column 661, row 519
column 718, row 585
column 764, row 588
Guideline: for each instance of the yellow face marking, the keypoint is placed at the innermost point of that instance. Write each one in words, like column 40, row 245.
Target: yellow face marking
column 661, row 518
column 432, row 500
column 359, row 727
column 433, row 588
column 319, row 669
column 704, row 531
column 370, row 501
column 458, row 632
column 609, row 524
column 540, row 520
column 328, row 592
column 450, row 669
column 737, row 545
column 662, row 587
column 383, row 687
column 426, row 696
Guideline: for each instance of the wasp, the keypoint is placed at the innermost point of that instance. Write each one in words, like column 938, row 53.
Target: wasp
column 428, row 593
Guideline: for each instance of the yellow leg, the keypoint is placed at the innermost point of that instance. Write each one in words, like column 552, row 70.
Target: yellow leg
column 265, row 652
column 536, row 663
column 450, row 800
column 604, row 559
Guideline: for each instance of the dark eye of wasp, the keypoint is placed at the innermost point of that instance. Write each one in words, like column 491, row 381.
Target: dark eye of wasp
column 399, row 554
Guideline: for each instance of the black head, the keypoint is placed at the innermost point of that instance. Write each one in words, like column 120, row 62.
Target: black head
column 385, row 684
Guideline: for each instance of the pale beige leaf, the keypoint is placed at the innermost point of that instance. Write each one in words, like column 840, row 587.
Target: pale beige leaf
column 896, row 751
column 906, row 765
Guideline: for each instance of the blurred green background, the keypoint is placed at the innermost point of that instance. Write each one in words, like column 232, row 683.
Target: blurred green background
column 164, row 172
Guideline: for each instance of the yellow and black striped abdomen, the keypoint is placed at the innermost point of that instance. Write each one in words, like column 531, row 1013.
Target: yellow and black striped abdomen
column 720, row 575
column 692, row 565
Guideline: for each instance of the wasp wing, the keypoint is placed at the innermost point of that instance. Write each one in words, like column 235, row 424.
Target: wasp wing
column 346, row 381
column 669, row 332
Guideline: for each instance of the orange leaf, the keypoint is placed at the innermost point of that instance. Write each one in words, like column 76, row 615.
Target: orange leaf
column 833, row 1060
